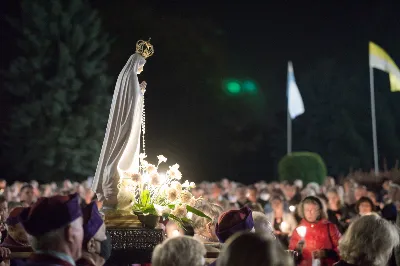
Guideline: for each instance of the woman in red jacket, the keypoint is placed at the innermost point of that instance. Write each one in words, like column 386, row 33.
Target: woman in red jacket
column 321, row 236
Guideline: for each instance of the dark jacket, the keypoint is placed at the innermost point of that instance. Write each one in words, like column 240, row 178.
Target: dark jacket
column 10, row 243
column 84, row 262
column 343, row 263
column 17, row 262
column 46, row 260
column 3, row 235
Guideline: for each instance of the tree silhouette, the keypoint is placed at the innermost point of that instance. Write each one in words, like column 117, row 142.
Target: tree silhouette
column 59, row 89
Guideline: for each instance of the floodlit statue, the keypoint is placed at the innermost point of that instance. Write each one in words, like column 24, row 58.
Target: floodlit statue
column 121, row 146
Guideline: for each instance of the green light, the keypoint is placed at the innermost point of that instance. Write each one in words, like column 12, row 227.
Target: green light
column 249, row 86
column 233, row 87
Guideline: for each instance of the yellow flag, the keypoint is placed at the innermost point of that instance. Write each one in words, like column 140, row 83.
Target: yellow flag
column 379, row 59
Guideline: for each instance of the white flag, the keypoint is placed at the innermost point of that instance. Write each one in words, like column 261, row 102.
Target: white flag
column 295, row 102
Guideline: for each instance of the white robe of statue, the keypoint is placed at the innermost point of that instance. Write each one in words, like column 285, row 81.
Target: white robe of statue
column 121, row 145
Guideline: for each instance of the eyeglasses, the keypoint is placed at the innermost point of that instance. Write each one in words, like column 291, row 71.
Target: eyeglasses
column 312, row 210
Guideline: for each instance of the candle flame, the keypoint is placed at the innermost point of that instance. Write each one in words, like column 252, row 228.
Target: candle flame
column 176, row 233
column 284, row 227
column 301, row 230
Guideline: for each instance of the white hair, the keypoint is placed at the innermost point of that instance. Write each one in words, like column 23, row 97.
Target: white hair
column 52, row 239
column 262, row 224
column 298, row 183
column 362, row 246
column 314, row 186
column 179, row 251
column 306, row 192
column 211, row 210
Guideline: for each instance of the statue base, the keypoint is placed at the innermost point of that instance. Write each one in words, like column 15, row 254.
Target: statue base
column 133, row 245
column 120, row 219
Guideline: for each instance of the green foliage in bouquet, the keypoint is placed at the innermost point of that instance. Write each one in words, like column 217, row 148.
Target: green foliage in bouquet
column 160, row 194
column 306, row 166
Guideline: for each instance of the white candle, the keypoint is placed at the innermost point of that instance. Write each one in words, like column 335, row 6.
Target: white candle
column 284, row 227
column 176, row 233
column 301, row 230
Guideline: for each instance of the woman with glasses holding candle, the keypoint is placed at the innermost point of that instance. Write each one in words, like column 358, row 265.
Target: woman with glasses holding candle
column 316, row 239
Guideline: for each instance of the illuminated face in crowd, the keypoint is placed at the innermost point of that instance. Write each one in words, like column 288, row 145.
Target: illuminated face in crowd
column 27, row 195
column 333, row 199
column 364, row 208
column 311, row 212
column 252, row 195
column 360, row 192
column 277, row 204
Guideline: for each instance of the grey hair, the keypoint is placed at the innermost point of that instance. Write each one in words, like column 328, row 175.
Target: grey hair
column 262, row 224
column 169, row 253
column 211, row 210
column 394, row 192
column 51, row 239
column 253, row 249
column 362, row 246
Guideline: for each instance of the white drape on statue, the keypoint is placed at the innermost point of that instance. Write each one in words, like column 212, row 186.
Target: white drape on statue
column 121, row 145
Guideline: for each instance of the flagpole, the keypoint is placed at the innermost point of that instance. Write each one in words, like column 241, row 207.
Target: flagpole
column 373, row 116
column 289, row 132
column 289, row 119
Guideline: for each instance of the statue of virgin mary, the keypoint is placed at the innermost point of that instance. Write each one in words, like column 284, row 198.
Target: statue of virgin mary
column 121, row 145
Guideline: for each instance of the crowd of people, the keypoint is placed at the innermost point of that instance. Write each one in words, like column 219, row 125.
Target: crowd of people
column 278, row 223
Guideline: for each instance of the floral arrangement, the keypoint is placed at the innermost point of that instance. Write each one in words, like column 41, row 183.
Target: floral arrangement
column 155, row 193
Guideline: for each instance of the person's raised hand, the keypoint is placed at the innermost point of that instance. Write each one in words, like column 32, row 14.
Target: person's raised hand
column 319, row 254
column 300, row 245
column 4, row 252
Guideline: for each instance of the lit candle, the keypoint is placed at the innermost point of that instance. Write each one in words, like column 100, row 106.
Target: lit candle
column 301, row 230
column 284, row 227
column 176, row 233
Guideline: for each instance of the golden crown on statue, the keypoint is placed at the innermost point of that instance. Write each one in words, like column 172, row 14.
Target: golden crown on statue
column 144, row 48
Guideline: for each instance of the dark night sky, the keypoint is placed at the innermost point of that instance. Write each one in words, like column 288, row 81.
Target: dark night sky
column 261, row 38
column 296, row 30
column 270, row 33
